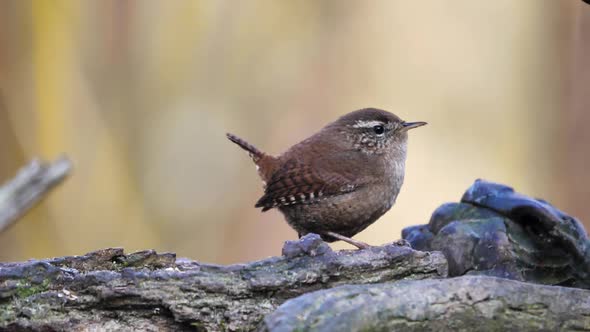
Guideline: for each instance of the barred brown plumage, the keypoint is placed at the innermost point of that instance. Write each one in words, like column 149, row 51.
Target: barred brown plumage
column 341, row 179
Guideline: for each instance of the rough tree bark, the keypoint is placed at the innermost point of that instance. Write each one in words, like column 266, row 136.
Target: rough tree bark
column 148, row 291
column 469, row 303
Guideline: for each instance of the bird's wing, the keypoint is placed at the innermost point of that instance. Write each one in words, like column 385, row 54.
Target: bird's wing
column 306, row 183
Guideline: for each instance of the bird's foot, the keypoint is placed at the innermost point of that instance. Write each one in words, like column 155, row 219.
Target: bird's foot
column 358, row 244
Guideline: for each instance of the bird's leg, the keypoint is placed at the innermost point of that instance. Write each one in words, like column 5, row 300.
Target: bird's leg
column 358, row 244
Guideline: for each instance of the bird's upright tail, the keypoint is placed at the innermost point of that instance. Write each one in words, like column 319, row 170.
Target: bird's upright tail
column 254, row 153
column 265, row 164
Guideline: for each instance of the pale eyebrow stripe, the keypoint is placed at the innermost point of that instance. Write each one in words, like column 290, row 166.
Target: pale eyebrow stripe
column 367, row 124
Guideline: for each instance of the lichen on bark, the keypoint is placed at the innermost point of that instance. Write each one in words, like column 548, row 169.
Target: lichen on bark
column 151, row 291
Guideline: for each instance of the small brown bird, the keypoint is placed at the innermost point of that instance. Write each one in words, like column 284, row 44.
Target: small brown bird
column 340, row 180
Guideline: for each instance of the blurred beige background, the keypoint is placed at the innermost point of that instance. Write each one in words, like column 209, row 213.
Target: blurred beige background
column 140, row 94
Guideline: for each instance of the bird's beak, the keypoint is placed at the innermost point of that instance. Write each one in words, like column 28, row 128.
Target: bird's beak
column 411, row 125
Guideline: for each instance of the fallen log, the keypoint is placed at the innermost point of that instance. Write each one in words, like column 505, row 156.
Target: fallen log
column 468, row 303
column 149, row 291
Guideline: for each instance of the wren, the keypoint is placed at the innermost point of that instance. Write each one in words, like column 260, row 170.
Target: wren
column 340, row 180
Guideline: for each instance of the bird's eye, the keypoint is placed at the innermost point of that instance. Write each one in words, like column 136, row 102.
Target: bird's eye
column 379, row 130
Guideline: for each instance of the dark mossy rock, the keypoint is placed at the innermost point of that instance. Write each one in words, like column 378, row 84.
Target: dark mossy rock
column 497, row 232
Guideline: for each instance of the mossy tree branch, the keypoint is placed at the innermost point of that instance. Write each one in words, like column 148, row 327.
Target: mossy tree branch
column 150, row 291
